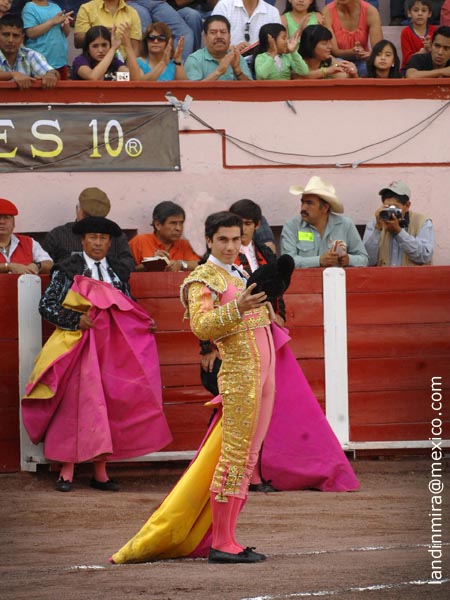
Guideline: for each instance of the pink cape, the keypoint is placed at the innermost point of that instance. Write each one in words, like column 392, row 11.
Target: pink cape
column 300, row 450
column 102, row 394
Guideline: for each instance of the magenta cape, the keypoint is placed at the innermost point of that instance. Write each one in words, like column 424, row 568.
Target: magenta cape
column 98, row 392
column 300, row 450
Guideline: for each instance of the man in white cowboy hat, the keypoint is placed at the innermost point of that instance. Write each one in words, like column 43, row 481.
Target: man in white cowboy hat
column 397, row 236
column 320, row 236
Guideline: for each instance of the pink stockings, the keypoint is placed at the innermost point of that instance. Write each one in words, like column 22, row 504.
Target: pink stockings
column 99, row 471
column 224, row 516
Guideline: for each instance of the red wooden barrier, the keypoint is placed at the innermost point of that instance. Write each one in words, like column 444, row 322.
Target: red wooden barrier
column 398, row 339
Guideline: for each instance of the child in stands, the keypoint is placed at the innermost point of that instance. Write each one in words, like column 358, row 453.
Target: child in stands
column 5, row 7
column 384, row 62
column 416, row 37
column 99, row 61
column 46, row 28
column 277, row 57
column 299, row 14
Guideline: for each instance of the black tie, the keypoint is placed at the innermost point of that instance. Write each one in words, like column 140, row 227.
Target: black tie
column 100, row 276
column 239, row 272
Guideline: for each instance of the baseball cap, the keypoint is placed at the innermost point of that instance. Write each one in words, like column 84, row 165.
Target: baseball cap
column 397, row 187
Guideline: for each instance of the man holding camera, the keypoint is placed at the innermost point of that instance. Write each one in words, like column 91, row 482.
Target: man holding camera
column 397, row 236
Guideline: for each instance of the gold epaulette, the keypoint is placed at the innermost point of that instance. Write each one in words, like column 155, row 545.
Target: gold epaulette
column 206, row 274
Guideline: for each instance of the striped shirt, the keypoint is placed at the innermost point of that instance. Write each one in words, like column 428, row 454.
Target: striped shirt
column 28, row 62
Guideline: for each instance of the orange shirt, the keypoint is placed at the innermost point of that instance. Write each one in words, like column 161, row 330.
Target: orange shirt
column 146, row 244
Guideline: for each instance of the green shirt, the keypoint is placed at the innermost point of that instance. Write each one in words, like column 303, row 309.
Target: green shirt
column 200, row 64
column 280, row 67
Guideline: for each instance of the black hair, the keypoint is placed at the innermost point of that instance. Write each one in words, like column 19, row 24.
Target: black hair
column 97, row 31
column 311, row 7
column 212, row 18
column 402, row 198
column 410, row 3
column 394, row 71
column 273, row 29
column 442, row 30
column 11, row 20
column 247, row 209
column 311, row 36
column 166, row 209
column 221, row 219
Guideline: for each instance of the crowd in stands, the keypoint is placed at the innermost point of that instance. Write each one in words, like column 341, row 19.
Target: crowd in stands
column 159, row 40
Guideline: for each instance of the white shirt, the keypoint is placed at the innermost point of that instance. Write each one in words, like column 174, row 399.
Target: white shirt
column 93, row 268
column 39, row 254
column 250, row 253
column 236, row 13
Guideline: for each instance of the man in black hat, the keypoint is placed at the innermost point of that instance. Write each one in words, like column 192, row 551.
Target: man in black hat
column 95, row 391
column 62, row 241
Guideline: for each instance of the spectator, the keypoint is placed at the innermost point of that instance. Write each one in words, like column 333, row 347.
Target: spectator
column 5, row 7
column 108, row 13
column 158, row 61
column 19, row 254
column 319, row 237
column 99, row 61
column 315, row 48
column 61, row 242
column 416, row 36
column 47, row 28
column 184, row 23
column 264, row 235
column 168, row 221
column 383, row 62
column 84, row 401
column 217, row 61
column 276, row 57
column 435, row 63
column 246, row 18
column 354, row 23
column 405, row 238
column 19, row 64
column 298, row 14
column 445, row 13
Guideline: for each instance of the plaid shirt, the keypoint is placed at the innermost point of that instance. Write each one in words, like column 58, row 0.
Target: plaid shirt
column 28, row 62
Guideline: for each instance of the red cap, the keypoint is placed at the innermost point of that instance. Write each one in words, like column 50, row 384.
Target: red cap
column 8, row 208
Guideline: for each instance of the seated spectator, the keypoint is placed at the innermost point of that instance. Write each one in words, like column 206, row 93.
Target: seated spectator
column 184, row 22
column 246, row 18
column 168, row 222
column 315, row 48
column 19, row 64
column 354, row 23
column 445, row 13
column 217, row 61
column 95, row 391
column 416, row 36
column 383, row 62
column 276, row 56
column 299, row 14
column 402, row 239
column 5, row 7
column 435, row 63
column 99, row 61
column 108, row 13
column 319, row 237
column 47, row 28
column 158, row 61
column 61, row 242
column 264, row 235
column 19, row 253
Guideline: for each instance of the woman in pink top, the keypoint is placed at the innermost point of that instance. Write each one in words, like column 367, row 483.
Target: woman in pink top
column 354, row 24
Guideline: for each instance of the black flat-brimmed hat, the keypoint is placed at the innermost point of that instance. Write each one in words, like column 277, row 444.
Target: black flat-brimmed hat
column 97, row 225
column 273, row 278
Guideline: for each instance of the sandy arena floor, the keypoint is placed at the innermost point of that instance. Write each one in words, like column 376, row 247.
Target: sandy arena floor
column 366, row 545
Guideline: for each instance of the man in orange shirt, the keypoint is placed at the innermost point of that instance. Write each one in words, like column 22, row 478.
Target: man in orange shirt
column 168, row 221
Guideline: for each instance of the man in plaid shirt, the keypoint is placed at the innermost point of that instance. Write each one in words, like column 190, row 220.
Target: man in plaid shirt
column 18, row 63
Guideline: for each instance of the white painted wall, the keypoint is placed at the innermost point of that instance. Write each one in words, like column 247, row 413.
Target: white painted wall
column 203, row 186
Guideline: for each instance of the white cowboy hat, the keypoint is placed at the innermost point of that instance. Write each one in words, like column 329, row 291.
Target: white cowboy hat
column 321, row 188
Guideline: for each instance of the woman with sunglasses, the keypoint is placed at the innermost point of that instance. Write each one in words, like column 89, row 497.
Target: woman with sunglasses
column 158, row 60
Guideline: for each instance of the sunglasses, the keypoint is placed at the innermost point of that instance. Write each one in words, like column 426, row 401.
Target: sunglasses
column 247, row 32
column 156, row 38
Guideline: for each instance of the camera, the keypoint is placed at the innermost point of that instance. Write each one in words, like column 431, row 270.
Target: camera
column 391, row 211
column 122, row 76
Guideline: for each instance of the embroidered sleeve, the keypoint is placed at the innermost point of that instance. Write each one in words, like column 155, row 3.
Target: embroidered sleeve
column 209, row 320
column 51, row 308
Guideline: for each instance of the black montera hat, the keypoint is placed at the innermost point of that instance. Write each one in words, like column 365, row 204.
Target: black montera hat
column 273, row 278
column 97, row 225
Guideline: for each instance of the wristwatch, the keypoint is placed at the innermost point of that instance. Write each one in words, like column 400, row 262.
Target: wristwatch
column 38, row 264
column 184, row 265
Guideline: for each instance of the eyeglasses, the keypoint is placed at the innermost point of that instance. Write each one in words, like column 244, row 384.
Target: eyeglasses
column 247, row 32
column 156, row 38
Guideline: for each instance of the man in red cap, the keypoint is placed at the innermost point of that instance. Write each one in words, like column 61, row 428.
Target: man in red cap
column 19, row 253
